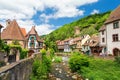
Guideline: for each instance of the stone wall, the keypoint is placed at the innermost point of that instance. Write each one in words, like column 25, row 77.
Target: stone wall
column 20, row 70
column 3, row 56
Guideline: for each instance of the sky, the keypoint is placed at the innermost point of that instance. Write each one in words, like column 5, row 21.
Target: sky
column 48, row 15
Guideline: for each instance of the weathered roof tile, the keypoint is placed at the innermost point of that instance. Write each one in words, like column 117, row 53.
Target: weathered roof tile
column 115, row 15
column 12, row 32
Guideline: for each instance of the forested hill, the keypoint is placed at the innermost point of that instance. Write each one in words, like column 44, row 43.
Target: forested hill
column 88, row 25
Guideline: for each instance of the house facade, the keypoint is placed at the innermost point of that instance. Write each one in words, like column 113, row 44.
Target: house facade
column 76, row 44
column 10, row 34
column 91, row 46
column 112, row 33
column 94, row 46
column 33, row 40
column 13, row 32
column 86, row 48
column 67, row 43
column 84, row 39
column 103, row 39
column 60, row 45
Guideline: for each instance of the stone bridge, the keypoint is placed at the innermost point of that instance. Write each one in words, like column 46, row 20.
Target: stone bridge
column 20, row 70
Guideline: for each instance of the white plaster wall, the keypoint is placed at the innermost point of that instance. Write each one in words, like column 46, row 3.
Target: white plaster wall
column 85, row 39
column 110, row 44
column 102, row 36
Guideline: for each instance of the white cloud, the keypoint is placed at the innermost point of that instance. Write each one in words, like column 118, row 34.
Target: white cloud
column 20, row 9
column 65, row 8
column 95, row 11
column 44, row 29
column 24, row 10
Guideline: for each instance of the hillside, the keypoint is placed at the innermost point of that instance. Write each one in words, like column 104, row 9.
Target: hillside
column 88, row 25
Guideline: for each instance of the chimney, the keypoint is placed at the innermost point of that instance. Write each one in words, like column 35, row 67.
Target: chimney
column 8, row 22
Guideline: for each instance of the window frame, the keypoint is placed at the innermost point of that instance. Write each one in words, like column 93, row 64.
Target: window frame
column 102, row 32
column 116, row 25
column 115, row 37
column 103, row 40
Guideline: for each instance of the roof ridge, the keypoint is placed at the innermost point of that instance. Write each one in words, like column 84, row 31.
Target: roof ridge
column 114, row 15
column 12, row 31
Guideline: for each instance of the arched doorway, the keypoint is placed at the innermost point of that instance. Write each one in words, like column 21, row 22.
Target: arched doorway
column 116, row 52
column 30, row 52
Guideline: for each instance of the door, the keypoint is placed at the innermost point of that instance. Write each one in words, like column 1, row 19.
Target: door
column 116, row 52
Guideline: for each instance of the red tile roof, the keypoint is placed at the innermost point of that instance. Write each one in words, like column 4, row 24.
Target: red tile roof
column 12, row 32
column 115, row 15
column 23, row 31
column 67, row 39
column 60, row 43
column 102, row 28
column 75, row 40
column 94, row 41
column 34, row 32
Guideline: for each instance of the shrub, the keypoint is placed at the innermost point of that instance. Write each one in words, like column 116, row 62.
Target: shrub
column 117, row 59
column 78, row 61
column 41, row 68
column 52, row 52
column 23, row 53
column 4, row 47
column 57, row 59
column 15, row 42
column 43, row 52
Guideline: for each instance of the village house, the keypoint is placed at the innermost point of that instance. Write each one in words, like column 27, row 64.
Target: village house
column 60, row 45
column 110, row 34
column 85, row 44
column 76, row 44
column 13, row 32
column 33, row 40
column 85, row 38
column 102, row 37
column 67, row 43
column 86, row 48
column 92, row 46
column 72, row 44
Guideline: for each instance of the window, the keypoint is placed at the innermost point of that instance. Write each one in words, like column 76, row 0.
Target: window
column 115, row 37
column 115, row 25
column 103, row 39
column 102, row 32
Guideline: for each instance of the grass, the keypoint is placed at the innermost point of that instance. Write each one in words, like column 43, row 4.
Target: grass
column 101, row 70
column 98, row 69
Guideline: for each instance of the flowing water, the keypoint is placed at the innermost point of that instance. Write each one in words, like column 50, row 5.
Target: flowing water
column 61, row 71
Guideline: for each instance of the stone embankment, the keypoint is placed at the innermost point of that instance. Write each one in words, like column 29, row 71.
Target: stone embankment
column 20, row 70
